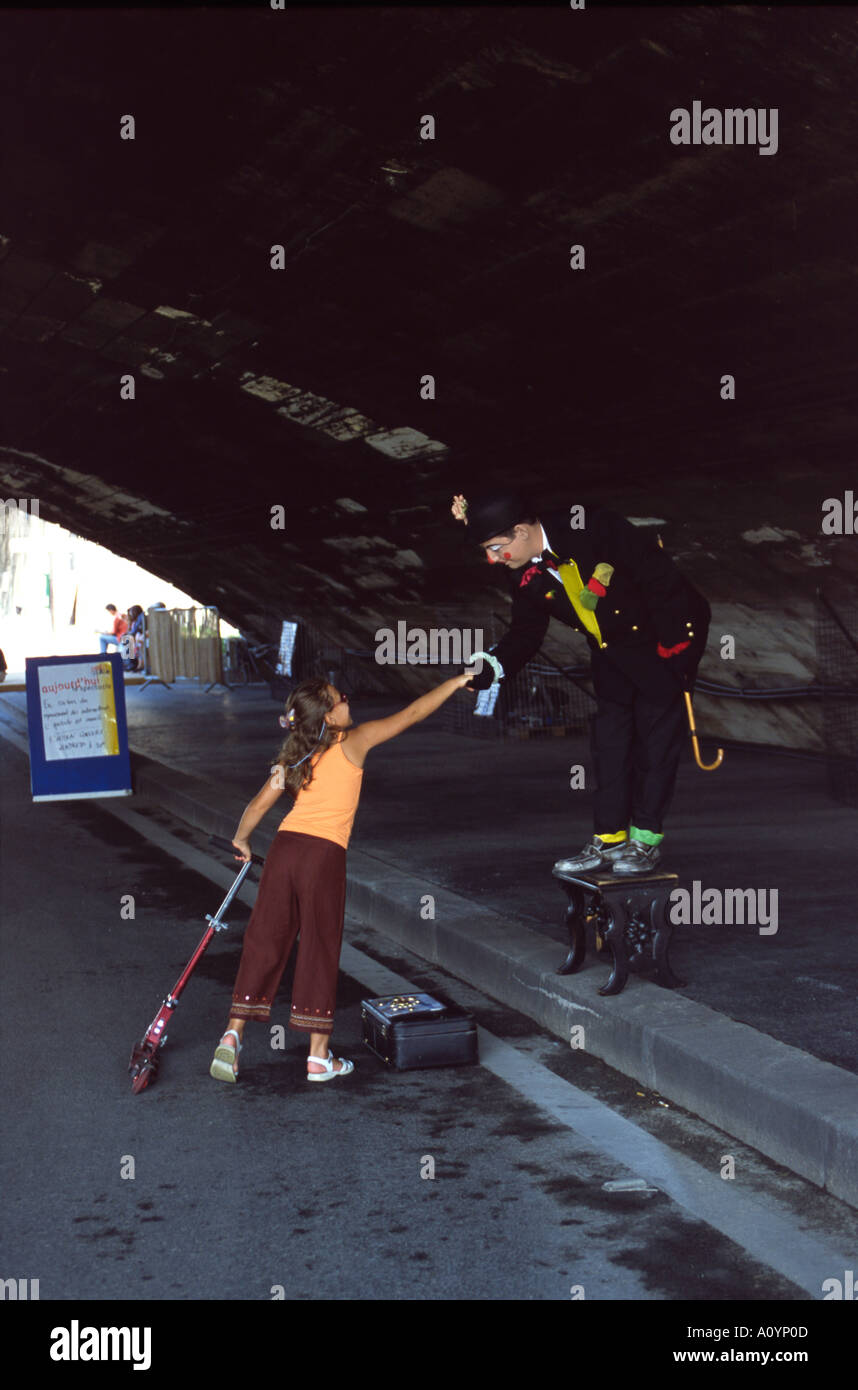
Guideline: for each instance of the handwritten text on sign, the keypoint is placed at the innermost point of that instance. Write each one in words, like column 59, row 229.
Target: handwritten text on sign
column 78, row 711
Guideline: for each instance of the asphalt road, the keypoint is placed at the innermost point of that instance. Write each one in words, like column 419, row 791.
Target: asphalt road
column 273, row 1188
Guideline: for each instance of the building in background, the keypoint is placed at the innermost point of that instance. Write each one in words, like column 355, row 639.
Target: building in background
column 54, row 586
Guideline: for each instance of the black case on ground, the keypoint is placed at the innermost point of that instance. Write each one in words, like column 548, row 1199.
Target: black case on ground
column 415, row 1030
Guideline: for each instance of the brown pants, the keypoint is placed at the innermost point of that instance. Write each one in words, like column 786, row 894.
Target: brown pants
column 302, row 889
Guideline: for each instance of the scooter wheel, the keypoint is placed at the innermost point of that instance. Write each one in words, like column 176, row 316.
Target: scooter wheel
column 144, row 1074
column 143, row 1066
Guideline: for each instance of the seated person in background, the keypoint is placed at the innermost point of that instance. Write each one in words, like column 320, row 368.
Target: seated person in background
column 108, row 639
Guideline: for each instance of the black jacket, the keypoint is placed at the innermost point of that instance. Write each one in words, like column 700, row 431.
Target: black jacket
column 648, row 600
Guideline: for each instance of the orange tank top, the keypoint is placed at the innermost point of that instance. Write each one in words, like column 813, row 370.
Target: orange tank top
column 327, row 807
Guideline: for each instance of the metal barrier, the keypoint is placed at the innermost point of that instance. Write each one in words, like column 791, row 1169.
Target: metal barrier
column 836, row 630
column 543, row 700
column 316, row 653
column 546, row 700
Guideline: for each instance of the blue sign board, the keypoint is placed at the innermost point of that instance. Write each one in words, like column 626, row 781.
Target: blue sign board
column 77, row 727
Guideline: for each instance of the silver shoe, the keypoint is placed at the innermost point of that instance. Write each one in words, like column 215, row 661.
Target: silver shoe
column 639, row 858
column 595, row 855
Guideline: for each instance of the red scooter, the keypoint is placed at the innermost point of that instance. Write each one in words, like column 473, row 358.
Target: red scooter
column 145, row 1058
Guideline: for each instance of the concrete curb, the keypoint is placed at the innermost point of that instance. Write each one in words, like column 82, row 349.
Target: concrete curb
column 797, row 1110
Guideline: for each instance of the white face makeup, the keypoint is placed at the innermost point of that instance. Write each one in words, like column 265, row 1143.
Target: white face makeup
column 515, row 550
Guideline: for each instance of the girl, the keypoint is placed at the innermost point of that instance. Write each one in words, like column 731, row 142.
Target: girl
column 303, row 883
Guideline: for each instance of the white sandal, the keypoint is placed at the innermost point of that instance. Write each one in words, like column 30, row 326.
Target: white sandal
column 328, row 1064
column 224, row 1068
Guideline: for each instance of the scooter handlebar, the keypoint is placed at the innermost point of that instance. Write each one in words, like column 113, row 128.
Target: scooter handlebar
column 220, row 843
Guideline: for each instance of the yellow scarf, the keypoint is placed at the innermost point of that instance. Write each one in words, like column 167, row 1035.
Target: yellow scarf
column 571, row 577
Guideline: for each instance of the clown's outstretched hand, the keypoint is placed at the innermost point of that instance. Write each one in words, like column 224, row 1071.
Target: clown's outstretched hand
column 460, row 508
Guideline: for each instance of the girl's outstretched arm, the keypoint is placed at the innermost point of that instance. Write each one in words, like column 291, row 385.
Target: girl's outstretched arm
column 269, row 792
column 375, row 731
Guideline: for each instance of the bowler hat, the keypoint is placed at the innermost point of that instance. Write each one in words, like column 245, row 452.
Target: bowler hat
column 496, row 514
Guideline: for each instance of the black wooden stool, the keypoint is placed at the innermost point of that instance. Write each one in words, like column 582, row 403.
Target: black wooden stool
column 630, row 918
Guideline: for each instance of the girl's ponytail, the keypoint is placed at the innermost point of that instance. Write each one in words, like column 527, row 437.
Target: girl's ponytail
column 308, row 732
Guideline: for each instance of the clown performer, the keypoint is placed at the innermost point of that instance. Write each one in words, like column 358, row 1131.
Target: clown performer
column 646, row 627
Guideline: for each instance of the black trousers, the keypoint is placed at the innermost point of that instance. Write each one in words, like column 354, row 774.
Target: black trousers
column 639, row 731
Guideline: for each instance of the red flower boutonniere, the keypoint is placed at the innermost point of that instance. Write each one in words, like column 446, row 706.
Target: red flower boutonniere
column 528, row 575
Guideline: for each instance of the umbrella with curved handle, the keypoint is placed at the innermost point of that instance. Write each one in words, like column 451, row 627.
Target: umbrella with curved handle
column 707, row 767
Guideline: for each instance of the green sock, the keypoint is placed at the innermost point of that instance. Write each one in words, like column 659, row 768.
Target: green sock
column 649, row 837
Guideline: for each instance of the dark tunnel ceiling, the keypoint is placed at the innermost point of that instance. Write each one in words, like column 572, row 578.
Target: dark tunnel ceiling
column 259, row 127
